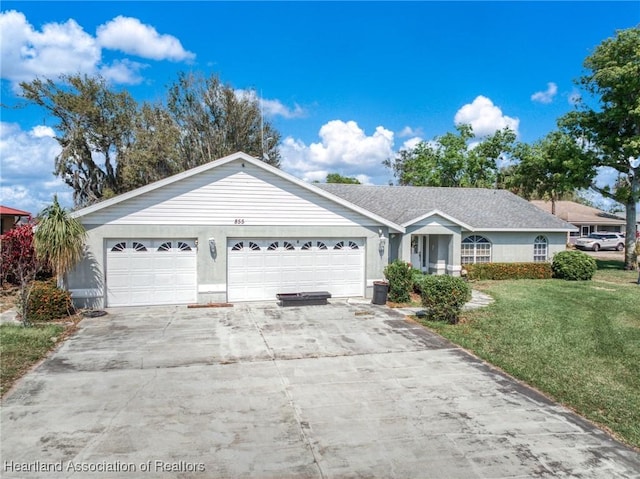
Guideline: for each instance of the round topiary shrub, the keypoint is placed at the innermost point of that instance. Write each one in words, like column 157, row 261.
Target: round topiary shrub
column 573, row 266
column 48, row 302
column 399, row 274
column 443, row 297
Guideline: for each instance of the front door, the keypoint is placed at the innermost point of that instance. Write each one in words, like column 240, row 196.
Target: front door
column 420, row 252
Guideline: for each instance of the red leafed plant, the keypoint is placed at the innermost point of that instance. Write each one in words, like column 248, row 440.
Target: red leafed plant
column 19, row 263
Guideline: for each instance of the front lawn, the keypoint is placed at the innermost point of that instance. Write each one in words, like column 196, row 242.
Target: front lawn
column 578, row 342
column 612, row 271
column 21, row 348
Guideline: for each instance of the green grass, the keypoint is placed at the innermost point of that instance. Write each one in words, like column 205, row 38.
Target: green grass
column 578, row 342
column 612, row 271
column 21, row 348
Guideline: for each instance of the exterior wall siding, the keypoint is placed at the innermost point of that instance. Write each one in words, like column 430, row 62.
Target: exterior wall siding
column 517, row 247
column 228, row 195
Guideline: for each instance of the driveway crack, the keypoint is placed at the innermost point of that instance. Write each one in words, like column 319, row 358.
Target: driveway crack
column 108, row 427
column 303, row 426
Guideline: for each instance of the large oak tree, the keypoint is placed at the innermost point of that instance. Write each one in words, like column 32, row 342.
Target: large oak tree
column 610, row 129
column 94, row 129
column 454, row 159
column 111, row 144
column 551, row 169
column 215, row 120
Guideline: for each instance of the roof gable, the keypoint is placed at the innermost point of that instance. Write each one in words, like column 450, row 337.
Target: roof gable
column 437, row 213
column 219, row 192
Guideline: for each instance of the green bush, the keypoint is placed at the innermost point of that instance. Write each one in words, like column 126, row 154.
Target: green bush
column 48, row 302
column 499, row 271
column 399, row 276
column 573, row 266
column 416, row 280
column 443, row 297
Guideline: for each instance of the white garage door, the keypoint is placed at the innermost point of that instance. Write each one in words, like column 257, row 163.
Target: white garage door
column 150, row 271
column 258, row 269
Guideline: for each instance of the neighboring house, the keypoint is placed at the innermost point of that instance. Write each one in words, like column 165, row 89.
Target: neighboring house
column 237, row 229
column 11, row 217
column 585, row 218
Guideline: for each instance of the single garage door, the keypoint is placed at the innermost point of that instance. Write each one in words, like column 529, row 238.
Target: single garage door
column 150, row 271
column 258, row 269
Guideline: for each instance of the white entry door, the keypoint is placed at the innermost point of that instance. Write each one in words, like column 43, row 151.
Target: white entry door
column 150, row 271
column 258, row 269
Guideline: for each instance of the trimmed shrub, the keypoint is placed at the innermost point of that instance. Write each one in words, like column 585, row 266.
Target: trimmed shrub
column 509, row 271
column 48, row 302
column 443, row 297
column 573, row 266
column 399, row 274
column 416, row 280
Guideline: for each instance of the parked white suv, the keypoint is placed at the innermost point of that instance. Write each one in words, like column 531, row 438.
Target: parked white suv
column 598, row 241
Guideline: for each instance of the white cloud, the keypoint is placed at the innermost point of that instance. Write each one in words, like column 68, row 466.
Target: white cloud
column 66, row 49
column 546, row 96
column 59, row 48
column 123, row 71
column 273, row 108
column 26, row 166
column 344, row 148
column 407, row 131
column 131, row 36
column 484, row 117
column 276, row 108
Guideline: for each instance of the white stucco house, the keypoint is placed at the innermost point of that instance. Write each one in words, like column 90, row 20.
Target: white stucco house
column 237, row 229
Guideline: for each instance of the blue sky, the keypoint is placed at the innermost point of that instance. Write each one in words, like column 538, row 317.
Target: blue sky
column 346, row 84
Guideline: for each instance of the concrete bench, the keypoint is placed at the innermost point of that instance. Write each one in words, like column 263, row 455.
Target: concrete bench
column 308, row 298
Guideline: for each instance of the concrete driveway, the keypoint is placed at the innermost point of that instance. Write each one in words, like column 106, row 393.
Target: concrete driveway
column 260, row 391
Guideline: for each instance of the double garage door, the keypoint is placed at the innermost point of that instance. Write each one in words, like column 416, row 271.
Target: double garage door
column 151, row 271
column 164, row 271
column 258, row 269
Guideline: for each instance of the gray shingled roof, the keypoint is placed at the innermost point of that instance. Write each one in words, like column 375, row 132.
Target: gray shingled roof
column 477, row 207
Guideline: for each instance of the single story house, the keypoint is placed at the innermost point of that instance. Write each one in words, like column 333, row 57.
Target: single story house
column 237, row 229
column 585, row 218
column 9, row 217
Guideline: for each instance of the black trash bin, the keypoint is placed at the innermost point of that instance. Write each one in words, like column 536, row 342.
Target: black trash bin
column 380, row 291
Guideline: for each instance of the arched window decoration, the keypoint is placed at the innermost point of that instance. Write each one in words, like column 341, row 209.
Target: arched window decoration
column 339, row 245
column 238, row 246
column 353, row 245
column 253, row 246
column 182, row 246
column 139, row 246
column 540, row 249
column 307, row 246
column 165, row 246
column 475, row 249
column 288, row 246
column 119, row 247
column 273, row 246
column 321, row 245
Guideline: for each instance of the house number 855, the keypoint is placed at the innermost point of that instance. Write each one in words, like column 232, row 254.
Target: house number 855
column 238, row 221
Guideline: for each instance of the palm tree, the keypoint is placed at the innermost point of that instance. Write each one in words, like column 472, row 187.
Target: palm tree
column 59, row 239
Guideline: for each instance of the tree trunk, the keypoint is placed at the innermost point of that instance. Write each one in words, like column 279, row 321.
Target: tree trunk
column 632, row 218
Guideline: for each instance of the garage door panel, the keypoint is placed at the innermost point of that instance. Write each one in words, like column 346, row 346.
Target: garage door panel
column 272, row 260
column 164, row 273
column 312, row 264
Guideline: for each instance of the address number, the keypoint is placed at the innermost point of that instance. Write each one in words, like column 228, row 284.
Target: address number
column 238, row 221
